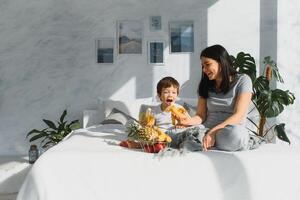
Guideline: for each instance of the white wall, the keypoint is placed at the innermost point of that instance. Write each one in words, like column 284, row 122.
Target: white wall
column 47, row 54
column 289, row 63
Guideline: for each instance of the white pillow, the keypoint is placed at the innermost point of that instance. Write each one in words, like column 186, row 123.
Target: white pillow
column 117, row 117
column 128, row 106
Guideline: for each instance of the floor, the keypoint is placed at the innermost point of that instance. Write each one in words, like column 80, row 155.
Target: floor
column 13, row 170
column 8, row 196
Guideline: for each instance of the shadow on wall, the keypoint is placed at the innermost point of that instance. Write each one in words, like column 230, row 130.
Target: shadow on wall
column 268, row 33
column 268, row 29
column 201, row 42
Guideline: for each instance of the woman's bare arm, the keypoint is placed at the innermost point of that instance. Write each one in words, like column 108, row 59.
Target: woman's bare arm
column 200, row 115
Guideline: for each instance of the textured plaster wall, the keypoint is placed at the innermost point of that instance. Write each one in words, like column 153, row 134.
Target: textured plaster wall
column 289, row 63
column 47, row 54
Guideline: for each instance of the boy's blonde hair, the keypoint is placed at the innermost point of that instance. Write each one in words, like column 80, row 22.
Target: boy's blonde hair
column 167, row 82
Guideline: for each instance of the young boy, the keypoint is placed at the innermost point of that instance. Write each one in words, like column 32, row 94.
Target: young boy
column 161, row 115
column 164, row 114
column 167, row 91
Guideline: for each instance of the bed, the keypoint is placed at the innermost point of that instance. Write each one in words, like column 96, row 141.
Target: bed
column 89, row 164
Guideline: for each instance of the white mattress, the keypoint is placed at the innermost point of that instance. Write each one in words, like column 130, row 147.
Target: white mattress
column 90, row 165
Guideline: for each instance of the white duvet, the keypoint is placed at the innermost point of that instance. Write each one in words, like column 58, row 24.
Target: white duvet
column 89, row 165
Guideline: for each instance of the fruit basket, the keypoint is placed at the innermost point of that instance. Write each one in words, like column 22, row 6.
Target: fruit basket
column 150, row 138
column 145, row 135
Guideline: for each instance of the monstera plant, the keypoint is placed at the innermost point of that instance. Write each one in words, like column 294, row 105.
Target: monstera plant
column 268, row 102
column 54, row 133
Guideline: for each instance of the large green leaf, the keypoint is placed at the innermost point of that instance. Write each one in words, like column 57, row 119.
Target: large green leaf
column 62, row 117
column 280, row 132
column 74, row 125
column 50, row 124
column 270, row 103
column 35, row 131
column 38, row 136
column 260, row 84
column 283, row 97
column 245, row 63
column 61, row 126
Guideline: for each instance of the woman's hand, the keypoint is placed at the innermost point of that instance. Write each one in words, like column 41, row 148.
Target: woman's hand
column 208, row 140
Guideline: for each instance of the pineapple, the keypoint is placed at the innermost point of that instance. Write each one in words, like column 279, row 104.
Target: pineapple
column 145, row 131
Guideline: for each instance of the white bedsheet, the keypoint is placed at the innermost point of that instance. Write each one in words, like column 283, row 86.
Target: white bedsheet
column 89, row 165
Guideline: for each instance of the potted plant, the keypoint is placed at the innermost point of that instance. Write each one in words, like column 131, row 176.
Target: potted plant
column 268, row 102
column 54, row 133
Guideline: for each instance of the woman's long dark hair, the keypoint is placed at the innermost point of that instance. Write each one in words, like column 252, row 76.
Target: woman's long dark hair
column 219, row 54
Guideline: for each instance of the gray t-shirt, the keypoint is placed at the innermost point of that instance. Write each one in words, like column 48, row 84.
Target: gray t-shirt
column 163, row 119
column 220, row 106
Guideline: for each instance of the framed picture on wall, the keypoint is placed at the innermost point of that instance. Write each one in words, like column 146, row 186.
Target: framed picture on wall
column 130, row 34
column 155, row 23
column 105, row 50
column 181, row 37
column 156, row 52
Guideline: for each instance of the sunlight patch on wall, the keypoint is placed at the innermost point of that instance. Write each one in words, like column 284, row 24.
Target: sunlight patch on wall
column 127, row 91
column 178, row 67
column 227, row 20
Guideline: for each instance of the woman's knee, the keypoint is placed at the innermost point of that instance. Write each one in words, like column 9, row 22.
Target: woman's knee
column 232, row 138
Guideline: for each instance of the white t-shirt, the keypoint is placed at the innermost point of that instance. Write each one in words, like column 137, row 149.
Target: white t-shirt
column 163, row 119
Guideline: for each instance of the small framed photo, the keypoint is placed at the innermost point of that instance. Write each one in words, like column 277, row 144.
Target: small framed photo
column 130, row 34
column 105, row 50
column 156, row 52
column 181, row 37
column 155, row 23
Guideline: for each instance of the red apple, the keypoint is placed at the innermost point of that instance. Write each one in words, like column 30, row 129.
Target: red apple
column 124, row 143
column 148, row 148
column 158, row 146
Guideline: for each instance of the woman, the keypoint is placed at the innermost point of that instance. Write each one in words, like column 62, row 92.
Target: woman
column 224, row 98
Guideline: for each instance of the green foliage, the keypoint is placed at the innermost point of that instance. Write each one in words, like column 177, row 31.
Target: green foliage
column 245, row 64
column 269, row 103
column 279, row 129
column 54, row 133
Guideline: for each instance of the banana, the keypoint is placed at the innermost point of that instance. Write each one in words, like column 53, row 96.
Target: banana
column 162, row 136
column 179, row 113
column 147, row 119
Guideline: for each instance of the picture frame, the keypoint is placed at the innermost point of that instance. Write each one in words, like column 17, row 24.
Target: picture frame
column 105, row 51
column 156, row 52
column 155, row 23
column 181, row 36
column 130, row 36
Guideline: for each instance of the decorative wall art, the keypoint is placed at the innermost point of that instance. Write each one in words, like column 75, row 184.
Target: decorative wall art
column 105, row 50
column 156, row 52
column 155, row 23
column 130, row 34
column 181, row 36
